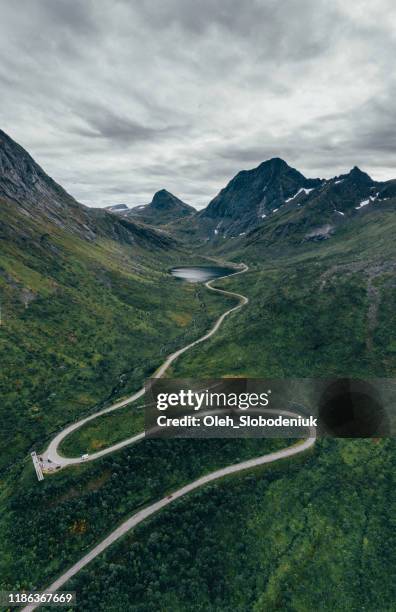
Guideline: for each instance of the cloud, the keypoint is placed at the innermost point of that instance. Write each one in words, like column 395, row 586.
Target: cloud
column 261, row 23
column 103, row 123
column 117, row 99
column 74, row 16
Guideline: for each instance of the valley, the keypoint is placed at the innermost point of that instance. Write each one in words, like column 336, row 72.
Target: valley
column 89, row 310
column 52, row 460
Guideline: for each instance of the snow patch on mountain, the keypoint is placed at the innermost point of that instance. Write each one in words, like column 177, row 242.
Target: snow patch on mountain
column 365, row 202
column 301, row 190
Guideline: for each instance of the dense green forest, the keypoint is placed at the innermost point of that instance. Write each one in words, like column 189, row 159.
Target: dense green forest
column 105, row 430
column 314, row 534
column 60, row 518
column 245, row 544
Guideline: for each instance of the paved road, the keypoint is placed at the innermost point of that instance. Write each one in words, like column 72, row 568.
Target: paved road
column 140, row 516
column 51, row 456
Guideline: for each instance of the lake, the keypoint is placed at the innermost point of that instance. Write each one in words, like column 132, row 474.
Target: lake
column 201, row 274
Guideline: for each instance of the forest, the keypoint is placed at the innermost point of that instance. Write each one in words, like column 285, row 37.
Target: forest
column 269, row 540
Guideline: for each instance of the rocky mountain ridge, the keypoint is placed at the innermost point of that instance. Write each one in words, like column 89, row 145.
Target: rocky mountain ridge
column 274, row 195
column 26, row 187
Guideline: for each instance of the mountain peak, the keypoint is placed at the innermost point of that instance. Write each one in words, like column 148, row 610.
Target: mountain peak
column 163, row 208
column 26, row 188
column 163, row 192
column 275, row 162
column 358, row 174
column 252, row 195
column 164, row 200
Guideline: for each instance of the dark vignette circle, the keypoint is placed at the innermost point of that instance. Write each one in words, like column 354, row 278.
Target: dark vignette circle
column 351, row 409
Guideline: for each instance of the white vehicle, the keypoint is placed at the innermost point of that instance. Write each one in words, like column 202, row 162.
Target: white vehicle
column 84, row 457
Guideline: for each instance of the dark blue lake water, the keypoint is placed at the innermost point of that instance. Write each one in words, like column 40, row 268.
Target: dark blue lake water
column 200, row 274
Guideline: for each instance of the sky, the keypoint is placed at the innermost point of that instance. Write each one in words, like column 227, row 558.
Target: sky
column 117, row 99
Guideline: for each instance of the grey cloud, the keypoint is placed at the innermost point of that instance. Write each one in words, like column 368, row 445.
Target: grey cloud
column 74, row 15
column 117, row 99
column 105, row 124
column 297, row 30
column 365, row 136
column 367, row 132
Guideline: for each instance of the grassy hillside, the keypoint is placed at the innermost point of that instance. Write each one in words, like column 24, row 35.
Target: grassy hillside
column 316, row 309
column 83, row 322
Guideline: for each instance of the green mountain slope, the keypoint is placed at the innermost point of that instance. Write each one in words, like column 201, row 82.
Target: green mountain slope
column 317, row 307
column 88, row 309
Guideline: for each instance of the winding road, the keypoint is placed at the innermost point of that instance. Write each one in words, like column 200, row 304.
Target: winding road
column 52, row 453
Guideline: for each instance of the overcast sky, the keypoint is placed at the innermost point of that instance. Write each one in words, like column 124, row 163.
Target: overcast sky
column 117, row 99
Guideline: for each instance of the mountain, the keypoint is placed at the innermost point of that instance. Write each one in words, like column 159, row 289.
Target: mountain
column 163, row 208
column 277, row 201
column 36, row 196
column 350, row 213
column 335, row 206
column 86, row 300
column 23, row 181
column 343, row 194
column 252, row 195
column 88, row 313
